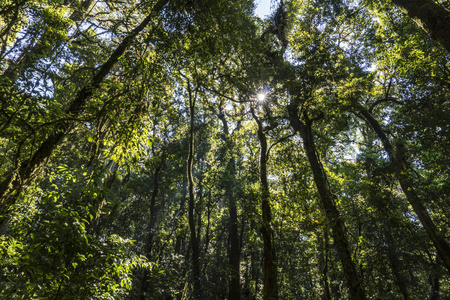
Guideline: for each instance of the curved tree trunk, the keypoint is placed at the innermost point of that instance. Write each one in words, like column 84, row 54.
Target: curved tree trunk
column 195, row 245
column 403, row 176
column 354, row 281
column 270, row 288
column 430, row 16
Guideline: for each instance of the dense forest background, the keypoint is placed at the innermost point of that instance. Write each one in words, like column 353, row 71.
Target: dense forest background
column 187, row 149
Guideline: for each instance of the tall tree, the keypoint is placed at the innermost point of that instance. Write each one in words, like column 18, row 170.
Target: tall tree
column 230, row 192
column 398, row 160
column 270, row 289
column 195, row 243
column 354, row 281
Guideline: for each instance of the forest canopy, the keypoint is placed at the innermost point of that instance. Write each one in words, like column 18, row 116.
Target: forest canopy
column 188, row 149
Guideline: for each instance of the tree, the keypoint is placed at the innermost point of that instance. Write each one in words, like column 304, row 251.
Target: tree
column 181, row 149
column 398, row 160
column 270, row 260
column 11, row 186
column 230, row 192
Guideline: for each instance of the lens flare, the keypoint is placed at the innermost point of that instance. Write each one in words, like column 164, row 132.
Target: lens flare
column 261, row 97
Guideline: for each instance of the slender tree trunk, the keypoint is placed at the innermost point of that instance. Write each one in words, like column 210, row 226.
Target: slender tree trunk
column 234, row 259
column 354, row 281
column 12, row 185
column 256, row 274
column 234, row 288
column 180, row 235
column 250, row 271
column 430, row 16
column 270, row 287
column 197, row 294
column 403, row 176
column 151, row 225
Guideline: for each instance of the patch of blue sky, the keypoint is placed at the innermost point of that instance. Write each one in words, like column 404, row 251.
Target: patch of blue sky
column 263, row 8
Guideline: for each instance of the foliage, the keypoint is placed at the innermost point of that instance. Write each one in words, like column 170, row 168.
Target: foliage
column 52, row 250
column 96, row 113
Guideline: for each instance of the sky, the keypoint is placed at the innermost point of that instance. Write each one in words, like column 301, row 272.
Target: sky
column 263, row 8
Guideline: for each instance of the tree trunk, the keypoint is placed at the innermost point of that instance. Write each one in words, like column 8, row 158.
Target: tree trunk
column 270, row 287
column 234, row 259
column 151, row 225
column 234, row 287
column 12, row 185
column 180, row 236
column 195, row 246
column 432, row 17
column 354, row 282
column 402, row 175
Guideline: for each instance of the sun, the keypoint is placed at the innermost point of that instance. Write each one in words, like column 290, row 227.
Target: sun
column 261, row 97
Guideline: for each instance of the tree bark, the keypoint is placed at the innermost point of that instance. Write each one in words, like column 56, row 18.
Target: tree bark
column 354, row 281
column 197, row 293
column 270, row 287
column 430, row 16
column 12, row 185
column 402, row 175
